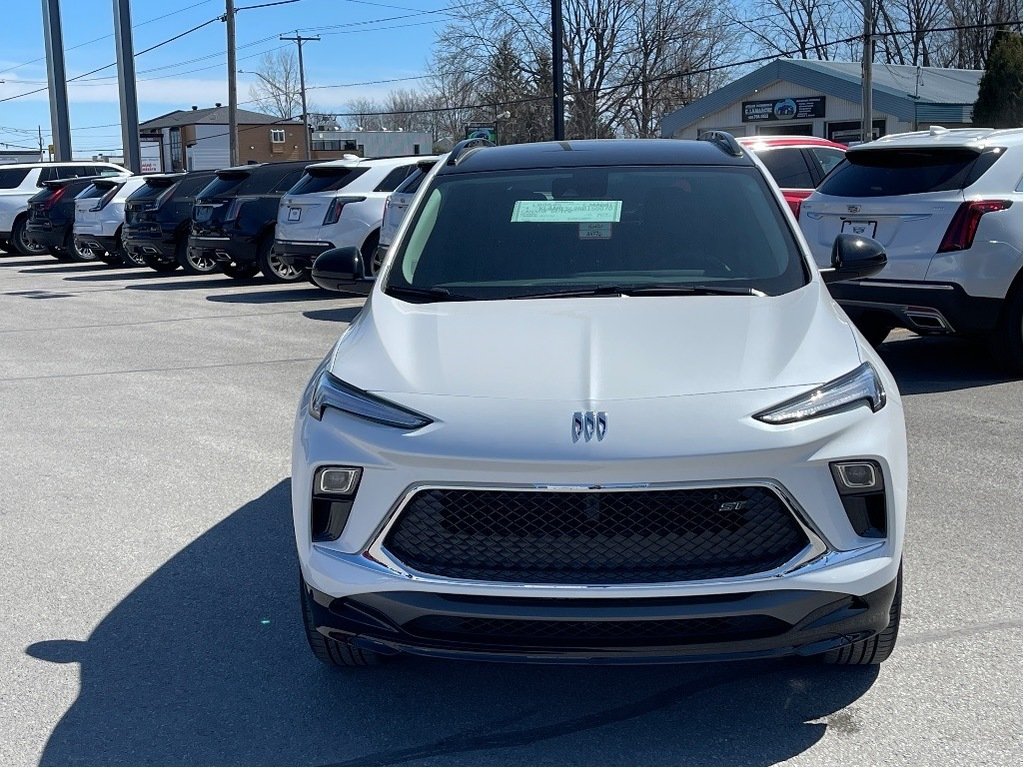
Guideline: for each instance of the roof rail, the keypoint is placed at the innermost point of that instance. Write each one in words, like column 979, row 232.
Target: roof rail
column 462, row 150
column 724, row 140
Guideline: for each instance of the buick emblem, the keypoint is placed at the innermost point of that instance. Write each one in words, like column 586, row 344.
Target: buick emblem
column 589, row 425
column 853, row 208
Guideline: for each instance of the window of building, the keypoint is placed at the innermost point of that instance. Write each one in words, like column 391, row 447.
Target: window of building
column 277, row 135
column 176, row 164
column 415, row 149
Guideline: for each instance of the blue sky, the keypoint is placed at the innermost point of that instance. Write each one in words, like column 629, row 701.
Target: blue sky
column 360, row 41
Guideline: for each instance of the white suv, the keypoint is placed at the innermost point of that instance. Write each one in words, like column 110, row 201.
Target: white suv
column 599, row 406
column 21, row 181
column 946, row 205
column 338, row 203
column 99, row 218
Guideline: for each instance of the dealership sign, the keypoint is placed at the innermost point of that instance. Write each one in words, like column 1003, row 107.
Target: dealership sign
column 784, row 109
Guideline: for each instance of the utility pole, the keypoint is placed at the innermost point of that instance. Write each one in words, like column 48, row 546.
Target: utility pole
column 40, row 142
column 126, row 85
column 557, row 75
column 229, row 17
column 867, row 132
column 302, row 85
column 56, row 75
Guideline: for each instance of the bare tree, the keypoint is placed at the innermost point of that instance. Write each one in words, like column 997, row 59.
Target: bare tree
column 276, row 91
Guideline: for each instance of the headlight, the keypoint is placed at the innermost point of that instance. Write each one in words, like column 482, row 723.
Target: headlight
column 331, row 392
column 859, row 387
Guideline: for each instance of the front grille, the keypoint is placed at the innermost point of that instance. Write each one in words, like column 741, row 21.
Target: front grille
column 598, row 537
column 494, row 631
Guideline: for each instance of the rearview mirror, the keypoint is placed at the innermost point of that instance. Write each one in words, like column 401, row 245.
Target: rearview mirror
column 341, row 269
column 854, row 257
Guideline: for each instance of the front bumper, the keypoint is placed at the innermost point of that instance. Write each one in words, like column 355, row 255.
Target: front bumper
column 653, row 630
column 299, row 254
column 923, row 307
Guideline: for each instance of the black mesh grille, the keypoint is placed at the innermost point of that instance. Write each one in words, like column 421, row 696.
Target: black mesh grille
column 607, row 537
column 595, row 633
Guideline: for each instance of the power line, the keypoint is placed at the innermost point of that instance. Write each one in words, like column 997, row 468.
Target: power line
column 104, row 37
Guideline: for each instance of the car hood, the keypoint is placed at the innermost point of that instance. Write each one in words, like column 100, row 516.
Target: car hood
column 596, row 349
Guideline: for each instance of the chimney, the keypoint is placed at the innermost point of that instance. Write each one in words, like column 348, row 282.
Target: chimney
column 194, row 108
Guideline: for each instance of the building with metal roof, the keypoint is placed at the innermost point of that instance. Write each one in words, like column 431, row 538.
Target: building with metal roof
column 823, row 98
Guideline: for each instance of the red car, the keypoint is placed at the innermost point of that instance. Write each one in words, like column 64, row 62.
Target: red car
column 797, row 163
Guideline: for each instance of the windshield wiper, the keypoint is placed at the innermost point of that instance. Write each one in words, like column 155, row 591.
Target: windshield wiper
column 652, row 289
column 424, row 295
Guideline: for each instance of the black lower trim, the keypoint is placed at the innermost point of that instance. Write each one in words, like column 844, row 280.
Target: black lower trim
column 48, row 237
column 299, row 255
column 603, row 630
column 901, row 304
column 165, row 250
column 224, row 251
column 108, row 244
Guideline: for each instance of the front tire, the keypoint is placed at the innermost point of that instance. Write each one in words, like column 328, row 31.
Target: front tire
column 875, row 649
column 333, row 653
column 275, row 270
column 21, row 242
column 72, row 249
column 874, row 328
column 194, row 262
column 1005, row 343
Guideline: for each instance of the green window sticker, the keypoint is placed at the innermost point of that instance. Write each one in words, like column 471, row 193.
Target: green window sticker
column 567, row 211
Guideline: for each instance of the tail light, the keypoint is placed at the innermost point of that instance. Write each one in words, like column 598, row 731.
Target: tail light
column 964, row 226
column 107, row 197
column 234, row 209
column 164, row 196
column 334, row 211
column 53, row 199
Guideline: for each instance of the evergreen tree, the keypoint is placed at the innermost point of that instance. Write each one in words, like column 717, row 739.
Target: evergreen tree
column 999, row 101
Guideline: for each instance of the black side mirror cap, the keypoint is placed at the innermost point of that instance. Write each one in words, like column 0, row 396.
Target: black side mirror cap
column 341, row 269
column 854, row 257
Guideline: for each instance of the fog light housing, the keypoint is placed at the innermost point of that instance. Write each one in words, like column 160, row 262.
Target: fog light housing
column 861, row 488
column 334, row 490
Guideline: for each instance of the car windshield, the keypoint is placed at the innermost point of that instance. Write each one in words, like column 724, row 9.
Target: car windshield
column 597, row 231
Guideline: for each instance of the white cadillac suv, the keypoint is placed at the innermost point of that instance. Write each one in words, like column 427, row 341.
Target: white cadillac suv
column 946, row 205
column 338, row 203
column 600, row 407
column 99, row 219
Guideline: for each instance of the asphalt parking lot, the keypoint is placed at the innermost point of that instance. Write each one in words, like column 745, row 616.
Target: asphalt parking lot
column 148, row 573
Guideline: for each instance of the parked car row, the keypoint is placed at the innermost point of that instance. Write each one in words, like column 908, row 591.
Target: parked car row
column 231, row 220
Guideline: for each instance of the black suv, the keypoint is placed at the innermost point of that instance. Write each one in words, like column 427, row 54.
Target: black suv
column 157, row 218
column 233, row 220
column 51, row 219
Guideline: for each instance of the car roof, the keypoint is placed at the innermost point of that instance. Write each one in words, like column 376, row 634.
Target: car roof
column 250, row 167
column 62, row 164
column 352, row 161
column 764, row 142
column 968, row 138
column 594, row 152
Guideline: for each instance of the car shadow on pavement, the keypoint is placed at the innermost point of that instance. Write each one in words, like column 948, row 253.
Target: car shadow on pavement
column 308, row 293
column 923, row 364
column 337, row 315
column 129, row 273
column 205, row 663
column 58, row 267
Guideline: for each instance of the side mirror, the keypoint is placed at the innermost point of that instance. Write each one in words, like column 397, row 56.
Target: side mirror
column 341, row 269
column 854, row 257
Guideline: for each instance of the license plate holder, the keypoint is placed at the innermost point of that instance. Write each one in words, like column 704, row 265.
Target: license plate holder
column 860, row 227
